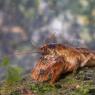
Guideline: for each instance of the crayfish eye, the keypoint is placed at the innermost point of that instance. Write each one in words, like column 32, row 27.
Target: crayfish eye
column 44, row 50
column 52, row 46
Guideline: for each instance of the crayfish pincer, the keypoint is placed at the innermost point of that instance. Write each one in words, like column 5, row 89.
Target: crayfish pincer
column 58, row 59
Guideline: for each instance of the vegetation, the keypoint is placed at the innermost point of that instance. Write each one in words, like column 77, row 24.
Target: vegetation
column 81, row 84
column 12, row 76
column 29, row 11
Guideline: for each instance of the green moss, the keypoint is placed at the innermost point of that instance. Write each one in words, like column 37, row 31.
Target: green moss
column 70, row 85
column 42, row 88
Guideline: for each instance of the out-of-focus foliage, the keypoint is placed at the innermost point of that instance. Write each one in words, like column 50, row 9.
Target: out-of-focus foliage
column 13, row 74
column 5, row 62
column 83, row 8
column 32, row 11
column 26, row 7
column 28, row 10
column 84, row 11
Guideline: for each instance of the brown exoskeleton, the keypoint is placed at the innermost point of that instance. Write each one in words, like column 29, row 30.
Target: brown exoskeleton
column 58, row 59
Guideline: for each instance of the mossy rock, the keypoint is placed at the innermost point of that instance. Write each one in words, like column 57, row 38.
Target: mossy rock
column 83, row 83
